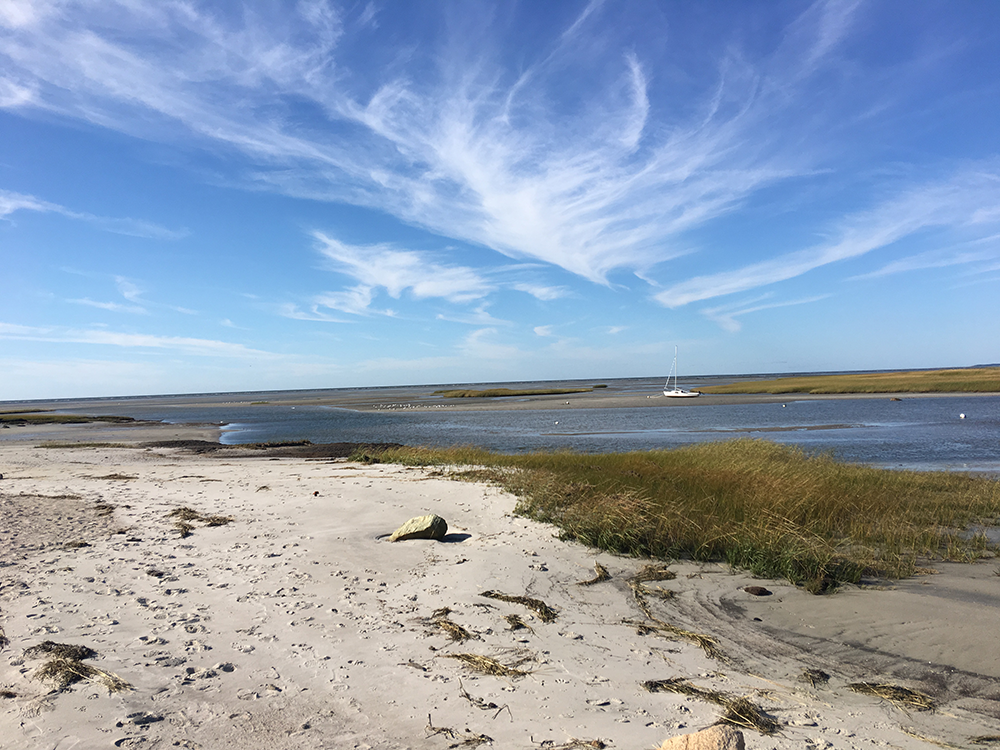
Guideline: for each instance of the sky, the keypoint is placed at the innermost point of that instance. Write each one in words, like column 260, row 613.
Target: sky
column 215, row 196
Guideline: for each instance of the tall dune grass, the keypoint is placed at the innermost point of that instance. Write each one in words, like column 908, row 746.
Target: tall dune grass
column 768, row 508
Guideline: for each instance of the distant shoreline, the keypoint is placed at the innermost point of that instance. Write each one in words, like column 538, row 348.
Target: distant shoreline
column 377, row 400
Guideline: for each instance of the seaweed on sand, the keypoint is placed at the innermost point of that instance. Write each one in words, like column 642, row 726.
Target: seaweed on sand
column 60, row 651
column 488, row 665
column 185, row 516
column 467, row 739
column 814, row 677
column 659, row 573
column 455, row 631
column 516, row 623
column 65, row 666
column 653, row 572
column 602, row 574
column 544, row 611
column 483, row 705
column 900, row 697
column 740, row 711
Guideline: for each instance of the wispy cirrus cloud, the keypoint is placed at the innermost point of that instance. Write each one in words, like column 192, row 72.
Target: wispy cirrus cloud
column 963, row 202
column 396, row 270
column 111, row 306
column 477, row 149
column 982, row 251
column 727, row 316
column 11, row 202
column 101, row 337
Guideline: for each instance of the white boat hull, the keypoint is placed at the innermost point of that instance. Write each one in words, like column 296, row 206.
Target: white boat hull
column 680, row 393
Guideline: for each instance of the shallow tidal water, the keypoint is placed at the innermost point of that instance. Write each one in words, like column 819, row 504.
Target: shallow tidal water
column 923, row 433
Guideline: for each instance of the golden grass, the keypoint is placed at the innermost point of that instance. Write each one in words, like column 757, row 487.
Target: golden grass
column 768, row 508
column 967, row 380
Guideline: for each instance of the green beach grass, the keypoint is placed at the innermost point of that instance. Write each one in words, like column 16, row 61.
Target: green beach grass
column 970, row 380
column 760, row 506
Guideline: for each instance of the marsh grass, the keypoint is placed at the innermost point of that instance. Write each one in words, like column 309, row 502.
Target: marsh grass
column 42, row 417
column 971, row 380
column 767, row 508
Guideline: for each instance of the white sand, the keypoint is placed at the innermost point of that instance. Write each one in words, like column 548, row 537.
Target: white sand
column 296, row 627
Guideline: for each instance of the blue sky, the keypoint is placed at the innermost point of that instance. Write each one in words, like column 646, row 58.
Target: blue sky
column 199, row 197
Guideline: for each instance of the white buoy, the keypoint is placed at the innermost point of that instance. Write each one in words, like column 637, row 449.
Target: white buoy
column 557, row 422
column 961, row 416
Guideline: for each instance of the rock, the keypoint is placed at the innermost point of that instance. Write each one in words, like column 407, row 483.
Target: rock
column 719, row 737
column 757, row 590
column 421, row 527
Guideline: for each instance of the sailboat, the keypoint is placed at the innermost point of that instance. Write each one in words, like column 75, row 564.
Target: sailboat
column 676, row 392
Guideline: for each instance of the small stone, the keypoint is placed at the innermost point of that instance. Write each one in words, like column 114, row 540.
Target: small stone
column 719, row 737
column 421, row 527
column 757, row 590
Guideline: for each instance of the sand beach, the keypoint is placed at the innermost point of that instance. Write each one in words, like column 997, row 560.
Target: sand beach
column 298, row 625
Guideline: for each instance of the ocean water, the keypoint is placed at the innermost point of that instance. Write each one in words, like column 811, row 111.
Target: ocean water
column 925, row 433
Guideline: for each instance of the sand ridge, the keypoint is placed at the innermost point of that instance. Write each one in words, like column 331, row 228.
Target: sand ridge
column 297, row 625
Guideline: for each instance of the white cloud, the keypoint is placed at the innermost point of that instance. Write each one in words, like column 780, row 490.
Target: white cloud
column 482, row 152
column 478, row 317
column 356, row 301
column 543, row 330
column 943, row 258
column 542, row 292
column 111, row 306
column 728, row 316
column 186, row 345
column 11, row 202
column 398, row 271
column 950, row 204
